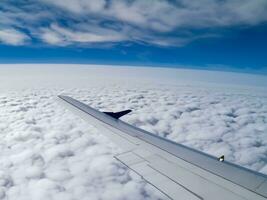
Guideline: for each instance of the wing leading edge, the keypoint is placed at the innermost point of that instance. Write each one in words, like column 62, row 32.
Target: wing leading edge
column 176, row 170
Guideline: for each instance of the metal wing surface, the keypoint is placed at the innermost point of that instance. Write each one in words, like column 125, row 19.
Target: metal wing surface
column 177, row 171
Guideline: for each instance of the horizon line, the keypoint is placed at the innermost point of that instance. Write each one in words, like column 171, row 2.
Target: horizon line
column 208, row 67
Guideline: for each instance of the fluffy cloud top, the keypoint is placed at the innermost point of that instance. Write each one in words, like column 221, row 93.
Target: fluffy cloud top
column 46, row 152
column 163, row 22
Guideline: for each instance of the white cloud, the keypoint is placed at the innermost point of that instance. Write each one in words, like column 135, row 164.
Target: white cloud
column 81, row 6
column 62, row 36
column 51, row 37
column 152, row 22
column 47, row 152
column 13, row 37
column 165, row 15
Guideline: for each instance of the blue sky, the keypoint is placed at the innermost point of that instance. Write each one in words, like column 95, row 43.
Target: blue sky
column 205, row 34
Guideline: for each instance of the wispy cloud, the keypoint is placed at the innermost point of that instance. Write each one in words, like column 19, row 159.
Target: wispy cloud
column 164, row 23
column 56, row 34
column 12, row 37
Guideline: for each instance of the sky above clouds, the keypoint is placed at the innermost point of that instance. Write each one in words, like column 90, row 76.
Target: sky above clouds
column 221, row 33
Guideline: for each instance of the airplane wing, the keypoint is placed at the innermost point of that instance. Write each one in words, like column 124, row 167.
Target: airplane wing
column 177, row 171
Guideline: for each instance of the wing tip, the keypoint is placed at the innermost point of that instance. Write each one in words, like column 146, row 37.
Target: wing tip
column 118, row 115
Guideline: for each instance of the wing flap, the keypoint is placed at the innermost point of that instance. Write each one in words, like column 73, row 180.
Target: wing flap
column 162, row 182
column 161, row 172
column 263, row 188
column 193, row 181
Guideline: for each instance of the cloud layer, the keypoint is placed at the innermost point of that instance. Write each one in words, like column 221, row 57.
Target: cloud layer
column 46, row 152
column 163, row 22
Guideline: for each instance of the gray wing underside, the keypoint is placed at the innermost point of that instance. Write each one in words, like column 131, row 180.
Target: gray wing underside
column 176, row 170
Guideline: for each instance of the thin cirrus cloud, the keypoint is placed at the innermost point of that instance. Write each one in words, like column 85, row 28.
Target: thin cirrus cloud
column 60, row 35
column 13, row 37
column 162, row 23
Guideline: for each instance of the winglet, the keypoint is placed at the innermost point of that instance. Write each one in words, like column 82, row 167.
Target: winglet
column 117, row 115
